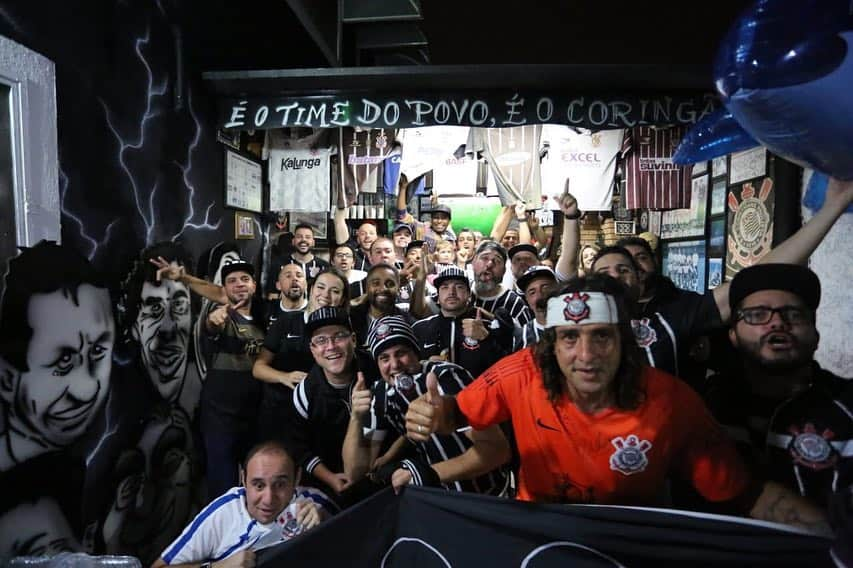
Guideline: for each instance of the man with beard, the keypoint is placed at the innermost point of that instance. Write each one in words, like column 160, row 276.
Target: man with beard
column 230, row 397
column 462, row 461
column 792, row 419
column 303, row 245
column 364, row 237
column 595, row 425
column 315, row 432
column 536, row 283
column 489, row 268
column 461, row 333
column 381, row 252
column 381, row 289
column 291, row 286
column 522, row 257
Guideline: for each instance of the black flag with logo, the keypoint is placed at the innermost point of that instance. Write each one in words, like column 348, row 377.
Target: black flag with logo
column 434, row 528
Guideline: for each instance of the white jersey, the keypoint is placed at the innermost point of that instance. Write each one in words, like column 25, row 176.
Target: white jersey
column 299, row 179
column 587, row 159
column 225, row 527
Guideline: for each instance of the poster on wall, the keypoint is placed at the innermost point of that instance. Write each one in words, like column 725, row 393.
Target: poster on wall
column 748, row 164
column 717, row 239
column 680, row 223
column 684, row 264
column 718, row 166
column 715, row 272
column 750, row 224
column 718, row 197
column 243, row 182
column 700, row 168
column 654, row 222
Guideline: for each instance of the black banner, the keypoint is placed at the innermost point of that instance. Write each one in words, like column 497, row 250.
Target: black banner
column 433, row 528
column 493, row 109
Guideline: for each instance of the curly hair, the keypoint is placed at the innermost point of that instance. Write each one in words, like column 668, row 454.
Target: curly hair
column 626, row 387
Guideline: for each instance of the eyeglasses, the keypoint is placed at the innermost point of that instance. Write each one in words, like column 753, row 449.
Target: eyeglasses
column 760, row 315
column 323, row 340
column 342, row 255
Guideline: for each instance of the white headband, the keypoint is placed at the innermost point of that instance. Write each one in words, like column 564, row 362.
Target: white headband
column 581, row 308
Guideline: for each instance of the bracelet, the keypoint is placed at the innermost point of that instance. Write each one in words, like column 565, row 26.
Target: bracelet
column 574, row 217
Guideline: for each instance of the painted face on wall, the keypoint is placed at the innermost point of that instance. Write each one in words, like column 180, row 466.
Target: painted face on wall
column 36, row 529
column 162, row 329
column 69, row 358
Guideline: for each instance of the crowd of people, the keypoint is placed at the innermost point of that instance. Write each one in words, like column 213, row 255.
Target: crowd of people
column 439, row 357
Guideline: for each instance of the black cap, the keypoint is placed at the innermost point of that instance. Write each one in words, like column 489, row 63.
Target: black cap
column 414, row 244
column 402, row 226
column 523, row 248
column 439, row 208
column 326, row 316
column 237, row 265
column 389, row 331
column 532, row 273
column 451, row 273
column 792, row 278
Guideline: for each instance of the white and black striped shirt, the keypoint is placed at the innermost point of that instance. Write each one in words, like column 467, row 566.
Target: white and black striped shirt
column 388, row 412
column 526, row 336
column 510, row 300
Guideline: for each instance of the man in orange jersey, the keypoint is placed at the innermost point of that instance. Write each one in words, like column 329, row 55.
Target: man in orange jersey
column 594, row 424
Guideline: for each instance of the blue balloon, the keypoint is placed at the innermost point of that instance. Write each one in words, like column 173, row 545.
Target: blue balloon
column 816, row 192
column 715, row 135
column 785, row 71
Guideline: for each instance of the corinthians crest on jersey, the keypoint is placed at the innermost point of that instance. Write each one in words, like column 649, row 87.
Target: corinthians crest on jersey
column 630, row 454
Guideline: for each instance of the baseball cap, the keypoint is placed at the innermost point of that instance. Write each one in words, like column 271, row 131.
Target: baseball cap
column 237, row 265
column 450, row 273
column 389, row 331
column 439, row 208
column 792, row 278
column 402, row 226
column 532, row 273
column 522, row 248
column 326, row 316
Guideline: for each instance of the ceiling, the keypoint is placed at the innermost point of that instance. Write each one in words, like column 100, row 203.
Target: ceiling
column 303, row 34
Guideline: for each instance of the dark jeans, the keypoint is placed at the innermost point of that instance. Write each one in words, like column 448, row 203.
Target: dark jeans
column 225, row 446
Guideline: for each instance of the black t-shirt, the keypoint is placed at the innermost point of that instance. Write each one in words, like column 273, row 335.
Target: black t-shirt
column 801, row 442
column 313, row 268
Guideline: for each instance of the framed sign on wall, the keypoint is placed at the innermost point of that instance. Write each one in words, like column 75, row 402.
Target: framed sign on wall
column 244, row 186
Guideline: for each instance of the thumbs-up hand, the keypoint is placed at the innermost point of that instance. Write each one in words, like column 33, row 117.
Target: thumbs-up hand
column 426, row 412
column 360, row 398
column 475, row 328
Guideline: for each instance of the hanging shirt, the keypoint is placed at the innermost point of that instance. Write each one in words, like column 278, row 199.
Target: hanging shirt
column 588, row 159
column 425, row 148
column 299, row 179
column 362, row 151
column 513, row 158
column 652, row 181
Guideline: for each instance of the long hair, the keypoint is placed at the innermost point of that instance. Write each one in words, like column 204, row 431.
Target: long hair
column 345, row 295
column 626, row 386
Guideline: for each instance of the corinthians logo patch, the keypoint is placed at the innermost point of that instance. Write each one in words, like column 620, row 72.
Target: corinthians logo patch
column 811, row 448
column 644, row 335
column 630, row 455
column 382, row 331
column 576, row 307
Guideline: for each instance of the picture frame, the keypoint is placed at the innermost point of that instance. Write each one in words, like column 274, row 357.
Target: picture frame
column 718, row 197
column 244, row 225
column 681, row 223
column 717, row 235
column 624, row 227
column 684, row 263
column 244, row 185
column 230, row 138
column 719, row 166
column 700, row 168
column 715, row 272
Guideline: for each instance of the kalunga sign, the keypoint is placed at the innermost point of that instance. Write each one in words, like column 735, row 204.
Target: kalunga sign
column 493, row 109
column 434, row 528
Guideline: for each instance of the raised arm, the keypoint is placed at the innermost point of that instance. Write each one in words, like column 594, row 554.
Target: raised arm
column 501, row 223
column 523, row 229
column 567, row 265
column 172, row 271
column 341, row 228
column 797, row 248
column 358, row 452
